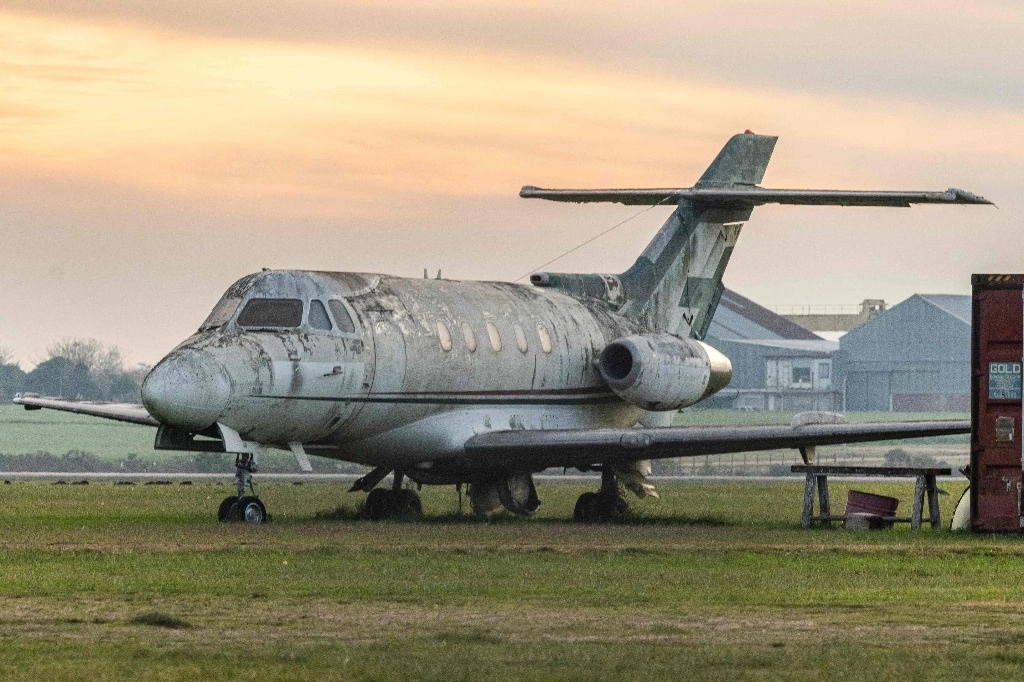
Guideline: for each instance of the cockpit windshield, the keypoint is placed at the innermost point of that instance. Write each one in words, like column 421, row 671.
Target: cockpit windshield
column 271, row 312
column 221, row 313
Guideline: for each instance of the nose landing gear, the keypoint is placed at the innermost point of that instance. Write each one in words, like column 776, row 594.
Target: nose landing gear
column 241, row 507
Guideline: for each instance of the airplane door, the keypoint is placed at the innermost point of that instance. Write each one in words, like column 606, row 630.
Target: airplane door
column 389, row 354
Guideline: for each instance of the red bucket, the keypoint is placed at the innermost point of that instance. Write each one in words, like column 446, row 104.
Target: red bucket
column 868, row 503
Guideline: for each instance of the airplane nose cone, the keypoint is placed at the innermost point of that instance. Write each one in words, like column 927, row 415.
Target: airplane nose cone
column 188, row 389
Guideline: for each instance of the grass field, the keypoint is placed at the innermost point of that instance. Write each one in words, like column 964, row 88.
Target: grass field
column 714, row 581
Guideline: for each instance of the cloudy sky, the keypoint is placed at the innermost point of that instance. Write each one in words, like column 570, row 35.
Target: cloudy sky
column 153, row 151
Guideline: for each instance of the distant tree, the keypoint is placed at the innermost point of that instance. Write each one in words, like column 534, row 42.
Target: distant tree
column 62, row 377
column 105, row 366
column 124, row 389
column 12, row 380
column 6, row 356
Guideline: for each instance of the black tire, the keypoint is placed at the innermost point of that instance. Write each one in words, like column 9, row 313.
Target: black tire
column 377, row 505
column 224, row 513
column 405, row 503
column 251, row 510
column 586, row 505
column 612, row 508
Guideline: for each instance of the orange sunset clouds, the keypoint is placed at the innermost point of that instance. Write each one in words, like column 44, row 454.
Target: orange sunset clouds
column 153, row 152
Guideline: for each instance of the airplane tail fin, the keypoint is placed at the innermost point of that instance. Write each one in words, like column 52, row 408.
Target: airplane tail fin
column 676, row 283
column 742, row 161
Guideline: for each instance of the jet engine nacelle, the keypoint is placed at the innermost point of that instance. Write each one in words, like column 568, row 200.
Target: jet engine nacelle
column 663, row 372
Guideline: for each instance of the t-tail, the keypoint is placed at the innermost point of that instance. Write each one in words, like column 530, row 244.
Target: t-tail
column 676, row 283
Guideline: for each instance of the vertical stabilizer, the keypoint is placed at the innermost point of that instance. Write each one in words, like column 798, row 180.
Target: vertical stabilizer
column 676, row 283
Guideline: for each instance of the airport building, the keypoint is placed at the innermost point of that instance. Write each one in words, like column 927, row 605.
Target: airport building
column 777, row 364
column 912, row 357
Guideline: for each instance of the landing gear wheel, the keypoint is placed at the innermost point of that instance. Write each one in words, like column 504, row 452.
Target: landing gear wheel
column 225, row 508
column 584, row 511
column 247, row 509
column 251, row 510
column 611, row 508
column 390, row 504
column 405, row 503
column 377, row 504
column 600, row 507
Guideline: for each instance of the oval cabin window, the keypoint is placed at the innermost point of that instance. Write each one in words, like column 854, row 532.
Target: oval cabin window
column 495, row 337
column 545, row 340
column 444, row 336
column 520, row 338
column 467, row 333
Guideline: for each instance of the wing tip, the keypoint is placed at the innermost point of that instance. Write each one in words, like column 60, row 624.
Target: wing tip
column 962, row 196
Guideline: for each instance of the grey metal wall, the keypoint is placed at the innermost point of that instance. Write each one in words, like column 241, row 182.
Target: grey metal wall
column 913, row 357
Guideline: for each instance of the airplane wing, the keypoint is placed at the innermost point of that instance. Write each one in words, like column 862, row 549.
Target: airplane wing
column 581, row 447
column 754, row 196
column 122, row 412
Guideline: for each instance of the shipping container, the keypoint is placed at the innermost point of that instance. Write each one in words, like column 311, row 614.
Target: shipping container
column 997, row 458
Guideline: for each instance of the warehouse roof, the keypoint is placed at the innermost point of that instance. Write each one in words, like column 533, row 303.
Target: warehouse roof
column 957, row 306
column 737, row 317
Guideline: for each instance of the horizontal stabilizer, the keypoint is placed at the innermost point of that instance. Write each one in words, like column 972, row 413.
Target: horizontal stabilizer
column 739, row 197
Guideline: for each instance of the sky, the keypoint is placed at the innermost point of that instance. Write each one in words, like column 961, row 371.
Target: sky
column 154, row 151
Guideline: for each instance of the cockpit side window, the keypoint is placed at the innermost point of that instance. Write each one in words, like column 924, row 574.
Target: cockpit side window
column 221, row 313
column 318, row 318
column 341, row 316
column 271, row 312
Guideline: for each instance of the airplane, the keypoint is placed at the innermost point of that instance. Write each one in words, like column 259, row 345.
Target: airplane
column 487, row 383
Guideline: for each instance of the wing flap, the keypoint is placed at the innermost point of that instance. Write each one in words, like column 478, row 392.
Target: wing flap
column 572, row 447
column 122, row 412
column 735, row 197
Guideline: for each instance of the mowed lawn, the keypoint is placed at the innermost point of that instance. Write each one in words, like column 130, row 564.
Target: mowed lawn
column 713, row 581
column 29, row 431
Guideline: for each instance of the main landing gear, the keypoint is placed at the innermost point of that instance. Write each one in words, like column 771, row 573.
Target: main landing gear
column 398, row 502
column 241, row 507
column 605, row 506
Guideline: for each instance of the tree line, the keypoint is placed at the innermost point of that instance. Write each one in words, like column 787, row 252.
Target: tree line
column 74, row 368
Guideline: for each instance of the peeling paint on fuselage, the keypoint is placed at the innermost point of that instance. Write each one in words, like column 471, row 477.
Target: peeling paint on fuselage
column 389, row 393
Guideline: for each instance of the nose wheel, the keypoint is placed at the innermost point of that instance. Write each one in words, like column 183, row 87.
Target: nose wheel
column 242, row 508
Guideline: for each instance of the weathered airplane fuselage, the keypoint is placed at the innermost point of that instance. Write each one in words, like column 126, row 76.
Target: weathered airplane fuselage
column 388, row 370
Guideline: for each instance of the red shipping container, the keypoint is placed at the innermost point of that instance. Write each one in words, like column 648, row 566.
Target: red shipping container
column 997, row 458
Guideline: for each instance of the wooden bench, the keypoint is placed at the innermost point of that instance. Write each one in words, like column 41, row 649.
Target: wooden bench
column 817, row 477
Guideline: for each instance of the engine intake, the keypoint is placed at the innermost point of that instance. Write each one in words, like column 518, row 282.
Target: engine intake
column 663, row 372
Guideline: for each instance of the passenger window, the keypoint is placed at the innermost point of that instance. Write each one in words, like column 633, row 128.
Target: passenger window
column 341, row 316
column 318, row 318
column 444, row 336
column 271, row 312
column 467, row 333
column 492, row 332
column 545, row 340
column 520, row 338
